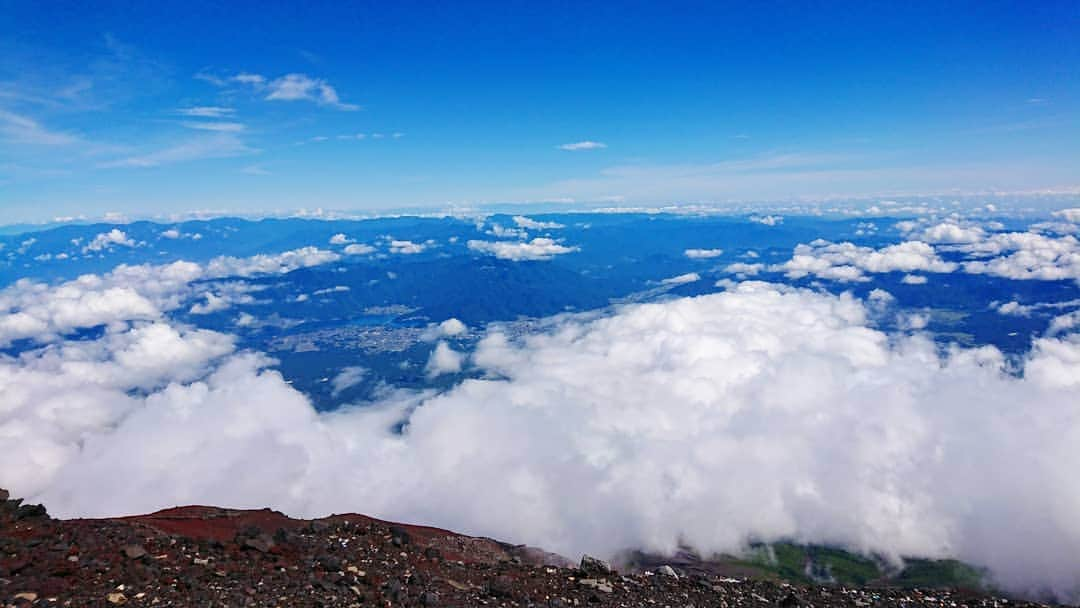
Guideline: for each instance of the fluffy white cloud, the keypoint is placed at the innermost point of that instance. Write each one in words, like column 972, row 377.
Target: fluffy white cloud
column 54, row 397
column 444, row 360
column 347, row 378
column 1064, row 323
column 744, row 269
column 702, row 254
column 104, row 240
column 173, row 234
column 340, row 239
column 1070, row 215
column 144, row 292
column 952, row 233
column 507, row 233
column 914, row 279
column 1027, row 255
column 214, row 303
column 41, row 312
column 759, row 413
column 227, row 295
column 767, row 220
column 848, row 262
column 452, row 327
column 406, row 247
column 358, row 249
column 279, row 263
column 531, row 224
column 540, row 248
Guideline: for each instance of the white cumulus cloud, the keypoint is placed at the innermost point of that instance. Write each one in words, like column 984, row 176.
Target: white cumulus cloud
column 703, row 254
column 358, row 249
column 849, row 262
column 540, row 248
column 531, row 224
column 444, row 360
column 104, row 240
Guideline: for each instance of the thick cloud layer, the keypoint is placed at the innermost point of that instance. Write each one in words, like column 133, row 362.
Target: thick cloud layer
column 761, row 413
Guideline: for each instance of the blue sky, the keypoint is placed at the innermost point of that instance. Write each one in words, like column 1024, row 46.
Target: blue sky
column 149, row 108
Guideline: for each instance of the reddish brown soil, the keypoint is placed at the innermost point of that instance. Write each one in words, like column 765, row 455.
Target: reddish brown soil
column 211, row 557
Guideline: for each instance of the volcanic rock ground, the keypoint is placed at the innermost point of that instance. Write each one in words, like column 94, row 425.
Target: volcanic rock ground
column 212, row 557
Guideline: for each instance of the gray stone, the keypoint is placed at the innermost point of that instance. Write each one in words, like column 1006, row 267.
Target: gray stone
column 667, row 571
column 134, row 551
column 261, row 543
column 592, row 565
column 596, row 584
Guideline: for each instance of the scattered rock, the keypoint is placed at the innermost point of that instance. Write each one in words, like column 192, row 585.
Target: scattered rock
column 30, row 511
column 667, row 571
column 134, row 551
column 501, row 586
column 330, row 563
column 399, row 536
column 592, row 565
column 396, row 590
column 596, row 584
column 789, row 601
column 262, row 542
column 202, row 556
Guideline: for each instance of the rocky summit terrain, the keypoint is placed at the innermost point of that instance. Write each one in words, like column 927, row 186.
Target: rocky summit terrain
column 212, row 557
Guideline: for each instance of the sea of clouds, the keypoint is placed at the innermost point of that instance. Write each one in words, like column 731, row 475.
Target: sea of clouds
column 763, row 412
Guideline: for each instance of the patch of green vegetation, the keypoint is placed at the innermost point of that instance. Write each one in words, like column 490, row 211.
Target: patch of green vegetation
column 842, row 566
column 939, row 573
column 813, row 563
column 790, row 561
column 822, row 564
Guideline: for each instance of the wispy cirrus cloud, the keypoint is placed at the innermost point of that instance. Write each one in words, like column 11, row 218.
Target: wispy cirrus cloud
column 227, row 127
column 290, row 87
column 799, row 175
column 20, row 129
column 255, row 170
column 207, row 112
column 224, row 145
column 583, row 145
